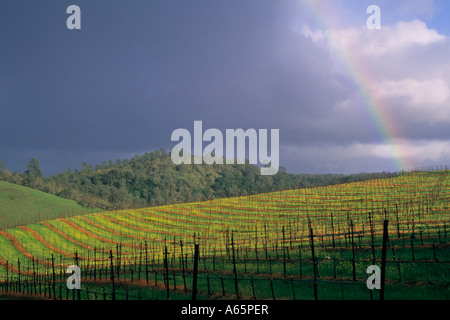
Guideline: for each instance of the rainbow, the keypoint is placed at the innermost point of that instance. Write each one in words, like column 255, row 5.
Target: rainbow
column 377, row 109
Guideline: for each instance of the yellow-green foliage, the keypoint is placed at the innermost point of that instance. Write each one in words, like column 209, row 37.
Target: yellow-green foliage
column 411, row 202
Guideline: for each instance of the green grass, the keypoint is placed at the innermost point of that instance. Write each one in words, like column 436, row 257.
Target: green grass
column 271, row 243
column 21, row 205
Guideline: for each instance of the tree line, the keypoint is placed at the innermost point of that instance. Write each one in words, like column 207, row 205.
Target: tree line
column 152, row 179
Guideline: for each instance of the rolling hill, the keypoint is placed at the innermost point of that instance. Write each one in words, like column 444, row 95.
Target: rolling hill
column 21, row 205
column 296, row 244
column 153, row 179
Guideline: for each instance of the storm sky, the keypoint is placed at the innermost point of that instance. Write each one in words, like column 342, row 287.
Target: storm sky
column 138, row 70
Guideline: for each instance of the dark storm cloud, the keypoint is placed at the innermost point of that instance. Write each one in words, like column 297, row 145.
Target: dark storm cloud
column 133, row 69
column 138, row 70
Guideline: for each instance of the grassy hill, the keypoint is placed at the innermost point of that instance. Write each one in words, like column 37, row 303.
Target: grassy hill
column 153, row 179
column 21, row 205
column 258, row 246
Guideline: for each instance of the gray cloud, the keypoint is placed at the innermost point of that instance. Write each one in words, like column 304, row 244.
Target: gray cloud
column 136, row 72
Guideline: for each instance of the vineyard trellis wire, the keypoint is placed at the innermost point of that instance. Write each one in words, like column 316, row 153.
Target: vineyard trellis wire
column 265, row 233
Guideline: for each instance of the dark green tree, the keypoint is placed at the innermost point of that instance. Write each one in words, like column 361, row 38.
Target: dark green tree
column 86, row 168
column 34, row 169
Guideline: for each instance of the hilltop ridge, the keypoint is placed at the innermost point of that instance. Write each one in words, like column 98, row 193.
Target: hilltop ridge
column 152, row 179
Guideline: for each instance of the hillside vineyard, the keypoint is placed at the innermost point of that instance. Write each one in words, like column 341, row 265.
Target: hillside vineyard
column 296, row 244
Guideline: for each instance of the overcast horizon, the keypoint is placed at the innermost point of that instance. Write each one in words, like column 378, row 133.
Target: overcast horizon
column 346, row 99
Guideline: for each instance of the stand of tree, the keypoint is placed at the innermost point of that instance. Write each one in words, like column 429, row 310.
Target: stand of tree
column 152, row 179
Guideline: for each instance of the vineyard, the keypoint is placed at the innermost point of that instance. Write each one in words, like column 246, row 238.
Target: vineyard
column 312, row 243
